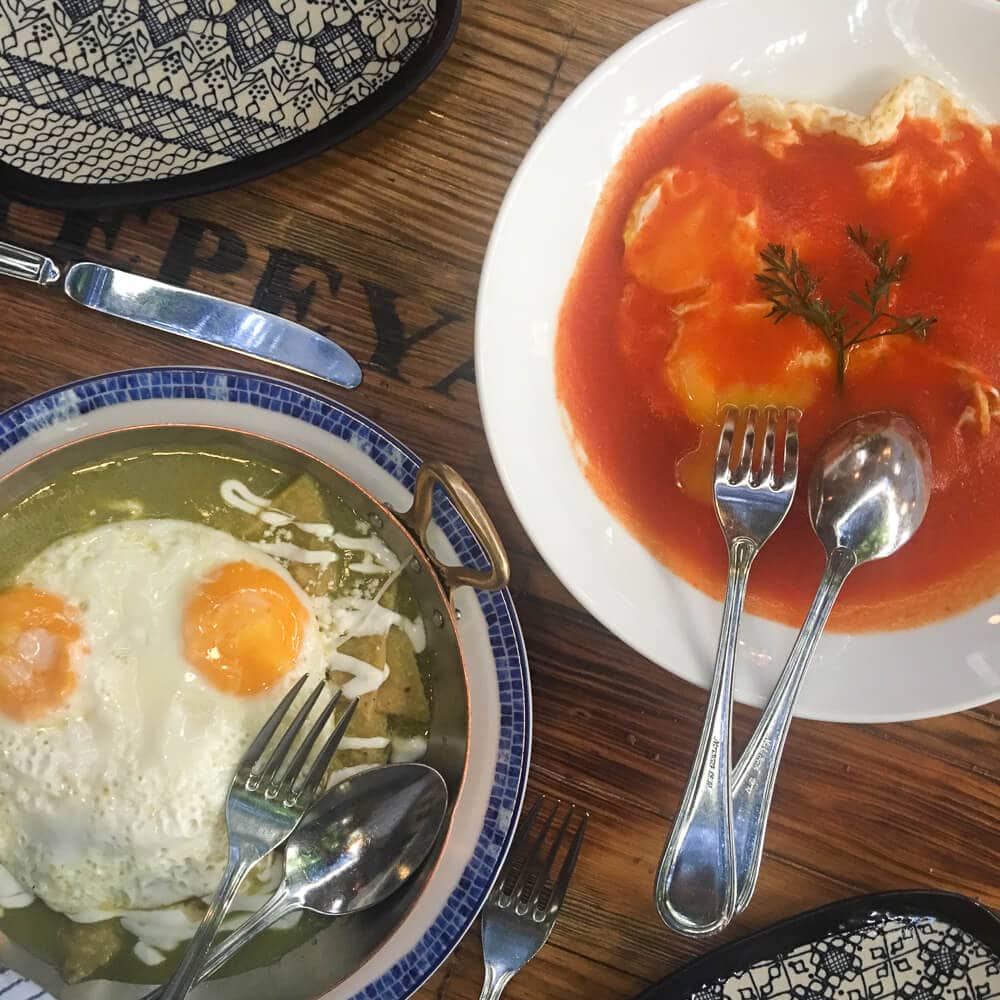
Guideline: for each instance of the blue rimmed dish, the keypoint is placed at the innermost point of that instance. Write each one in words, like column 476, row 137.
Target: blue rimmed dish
column 498, row 696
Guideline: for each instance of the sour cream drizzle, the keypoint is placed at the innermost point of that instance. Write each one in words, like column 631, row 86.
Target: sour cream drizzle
column 316, row 528
column 364, row 742
column 239, row 495
column 408, row 748
column 12, row 895
column 367, row 616
column 147, row 954
column 365, row 678
column 275, row 519
column 159, row 931
column 335, row 777
column 295, row 553
column 377, row 556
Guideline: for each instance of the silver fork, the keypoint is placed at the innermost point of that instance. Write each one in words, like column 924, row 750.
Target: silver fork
column 522, row 908
column 262, row 810
column 696, row 882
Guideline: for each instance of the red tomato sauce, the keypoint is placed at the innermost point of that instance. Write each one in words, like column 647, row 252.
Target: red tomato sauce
column 616, row 334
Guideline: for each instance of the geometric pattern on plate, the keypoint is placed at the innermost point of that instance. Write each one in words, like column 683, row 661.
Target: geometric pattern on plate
column 891, row 958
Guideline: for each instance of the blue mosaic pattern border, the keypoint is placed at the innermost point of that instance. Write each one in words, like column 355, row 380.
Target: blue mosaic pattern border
column 505, row 637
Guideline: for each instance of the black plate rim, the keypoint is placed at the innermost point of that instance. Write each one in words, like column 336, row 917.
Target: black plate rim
column 18, row 184
column 845, row 914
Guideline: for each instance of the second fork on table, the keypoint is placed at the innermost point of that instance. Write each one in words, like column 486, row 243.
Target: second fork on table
column 696, row 881
column 522, row 908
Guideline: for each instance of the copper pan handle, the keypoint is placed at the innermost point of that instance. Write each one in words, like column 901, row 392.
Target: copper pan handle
column 419, row 517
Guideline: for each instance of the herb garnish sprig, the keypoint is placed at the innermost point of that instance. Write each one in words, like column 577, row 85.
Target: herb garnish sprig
column 793, row 291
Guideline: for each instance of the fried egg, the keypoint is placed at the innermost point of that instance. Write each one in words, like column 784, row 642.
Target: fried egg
column 711, row 231
column 137, row 662
column 694, row 235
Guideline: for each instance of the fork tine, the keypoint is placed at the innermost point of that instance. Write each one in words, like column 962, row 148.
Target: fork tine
column 298, row 761
column 288, row 737
column 746, row 455
column 323, row 758
column 546, row 868
column 725, row 448
column 259, row 745
column 790, row 470
column 766, row 471
column 529, row 819
column 566, row 872
column 529, row 866
column 517, row 849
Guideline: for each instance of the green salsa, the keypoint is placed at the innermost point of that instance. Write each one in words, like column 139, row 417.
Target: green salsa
column 183, row 482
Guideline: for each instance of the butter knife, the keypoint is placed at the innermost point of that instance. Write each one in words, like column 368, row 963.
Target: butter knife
column 194, row 315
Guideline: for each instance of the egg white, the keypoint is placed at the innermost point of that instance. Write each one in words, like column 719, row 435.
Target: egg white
column 114, row 800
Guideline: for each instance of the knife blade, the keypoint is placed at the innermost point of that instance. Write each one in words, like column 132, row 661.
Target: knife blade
column 193, row 315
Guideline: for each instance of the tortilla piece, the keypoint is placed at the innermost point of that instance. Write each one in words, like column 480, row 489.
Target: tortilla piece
column 369, row 648
column 368, row 720
column 402, row 693
column 89, row 947
column 303, row 499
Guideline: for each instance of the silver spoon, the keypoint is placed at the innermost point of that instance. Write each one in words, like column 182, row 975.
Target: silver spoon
column 361, row 842
column 868, row 494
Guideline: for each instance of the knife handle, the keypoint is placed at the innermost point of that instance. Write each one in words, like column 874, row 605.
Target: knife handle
column 27, row 265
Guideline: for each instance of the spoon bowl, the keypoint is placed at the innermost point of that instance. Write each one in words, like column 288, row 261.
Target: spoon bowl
column 869, row 488
column 365, row 838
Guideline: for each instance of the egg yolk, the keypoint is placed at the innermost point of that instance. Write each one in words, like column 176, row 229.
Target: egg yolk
column 243, row 628
column 37, row 630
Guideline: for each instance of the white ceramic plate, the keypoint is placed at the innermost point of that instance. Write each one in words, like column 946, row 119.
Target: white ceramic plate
column 486, row 809
column 840, row 52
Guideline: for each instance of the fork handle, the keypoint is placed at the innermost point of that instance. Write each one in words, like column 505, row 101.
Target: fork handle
column 278, row 906
column 188, row 972
column 757, row 770
column 496, row 982
column 696, row 881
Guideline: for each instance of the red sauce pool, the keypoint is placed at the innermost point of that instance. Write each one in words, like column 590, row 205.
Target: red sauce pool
column 615, row 335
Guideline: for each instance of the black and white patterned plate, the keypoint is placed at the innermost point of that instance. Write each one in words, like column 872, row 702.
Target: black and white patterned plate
column 891, row 946
column 111, row 102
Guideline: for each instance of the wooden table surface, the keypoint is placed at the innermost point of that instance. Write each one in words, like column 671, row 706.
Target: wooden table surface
column 380, row 243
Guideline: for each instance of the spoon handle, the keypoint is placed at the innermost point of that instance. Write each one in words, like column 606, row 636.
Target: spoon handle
column 757, row 770
column 696, row 881
column 278, row 906
column 186, row 974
